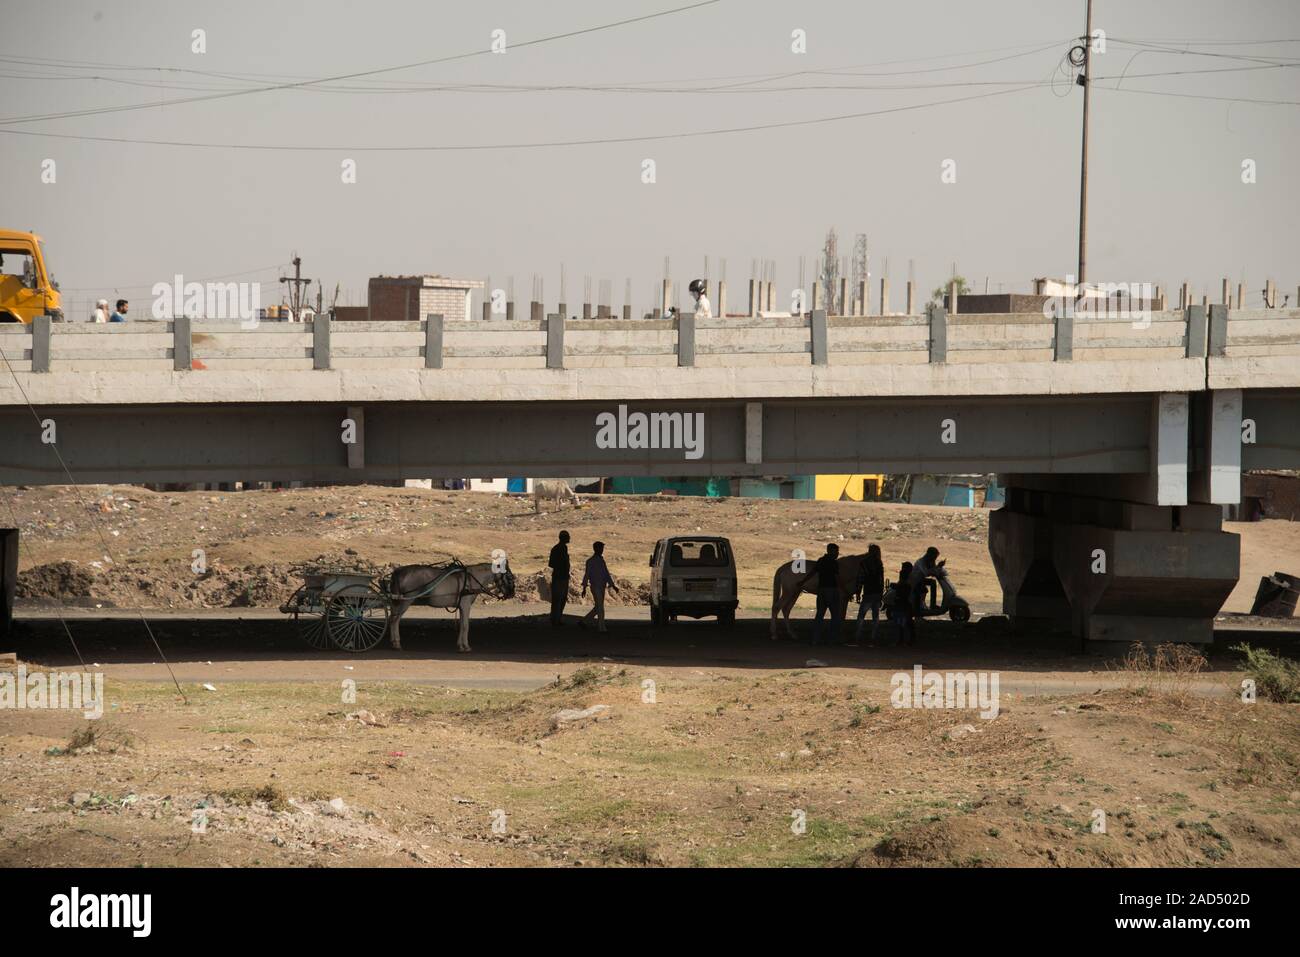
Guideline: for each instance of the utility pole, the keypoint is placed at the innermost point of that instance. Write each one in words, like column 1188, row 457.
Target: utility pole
column 1085, row 81
column 295, row 298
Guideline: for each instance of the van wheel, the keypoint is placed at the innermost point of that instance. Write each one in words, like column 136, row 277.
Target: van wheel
column 727, row 619
column 656, row 619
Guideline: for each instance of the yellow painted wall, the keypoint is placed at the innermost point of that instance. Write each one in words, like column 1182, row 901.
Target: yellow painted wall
column 833, row 488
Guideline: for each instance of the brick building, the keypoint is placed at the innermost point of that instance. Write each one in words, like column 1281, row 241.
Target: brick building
column 401, row 298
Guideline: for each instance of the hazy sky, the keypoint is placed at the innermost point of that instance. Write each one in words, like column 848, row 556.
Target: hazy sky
column 1167, row 200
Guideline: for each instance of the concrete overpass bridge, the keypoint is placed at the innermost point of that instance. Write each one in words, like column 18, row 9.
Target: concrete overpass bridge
column 1121, row 438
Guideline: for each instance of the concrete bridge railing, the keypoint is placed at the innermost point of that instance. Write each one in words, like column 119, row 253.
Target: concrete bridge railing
column 1268, row 338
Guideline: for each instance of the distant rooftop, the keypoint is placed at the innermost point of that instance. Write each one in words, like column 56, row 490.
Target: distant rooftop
column 431, row 279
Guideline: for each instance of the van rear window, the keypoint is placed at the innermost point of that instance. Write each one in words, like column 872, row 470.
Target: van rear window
column 705, row 554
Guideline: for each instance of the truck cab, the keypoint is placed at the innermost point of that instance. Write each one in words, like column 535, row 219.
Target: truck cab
column 695, row 576
column 27, row 290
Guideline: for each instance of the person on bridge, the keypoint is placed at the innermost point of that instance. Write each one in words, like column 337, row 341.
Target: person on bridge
column 101, row 311
column 870, row 590
column 559, row 565
column 598, row 577
column 702, row 308
column 827, row 573
column 119, row 314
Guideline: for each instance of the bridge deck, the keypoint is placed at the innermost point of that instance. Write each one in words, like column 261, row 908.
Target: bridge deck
column 184, row 360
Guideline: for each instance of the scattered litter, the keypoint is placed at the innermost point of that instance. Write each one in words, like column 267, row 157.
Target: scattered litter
column 366, row 718
column 815, row 663
column 209, row 687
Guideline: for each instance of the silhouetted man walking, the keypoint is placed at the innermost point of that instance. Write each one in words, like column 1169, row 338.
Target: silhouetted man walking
column 559, row 565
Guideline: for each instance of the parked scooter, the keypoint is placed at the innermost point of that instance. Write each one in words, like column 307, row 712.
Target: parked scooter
column 952, row 604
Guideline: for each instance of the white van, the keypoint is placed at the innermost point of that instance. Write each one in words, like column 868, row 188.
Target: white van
column 694, row 576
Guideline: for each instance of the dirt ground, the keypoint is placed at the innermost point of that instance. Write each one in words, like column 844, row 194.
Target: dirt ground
column 555, row 749
column 719, row 770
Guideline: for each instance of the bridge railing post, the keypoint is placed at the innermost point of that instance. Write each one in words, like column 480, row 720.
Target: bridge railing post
column 1194, row 323
column 1217, row 333
column 555, row 341
column 1062, row 334
column 433, row 341
column 817, row 328
column 320, row 342
column 182, row 344
column 686, row 339
column 41, row 332
column 938, row 322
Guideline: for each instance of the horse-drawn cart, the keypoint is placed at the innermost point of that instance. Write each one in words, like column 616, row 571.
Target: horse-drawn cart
column 341, row 608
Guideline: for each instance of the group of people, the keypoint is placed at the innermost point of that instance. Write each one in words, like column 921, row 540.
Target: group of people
column 101, row 313
column 906, row 604
column 595, row 576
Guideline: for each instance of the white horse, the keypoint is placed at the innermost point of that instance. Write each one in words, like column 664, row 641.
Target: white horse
column 788, row 585
column 556, row 491
column 445, row 586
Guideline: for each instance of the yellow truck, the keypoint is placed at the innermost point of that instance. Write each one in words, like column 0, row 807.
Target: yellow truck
column 26, row 288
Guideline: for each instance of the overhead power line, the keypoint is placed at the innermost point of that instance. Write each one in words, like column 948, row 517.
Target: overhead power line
column 551, row 144
column 364, row 73
column 318, row 84
column 1197, row 96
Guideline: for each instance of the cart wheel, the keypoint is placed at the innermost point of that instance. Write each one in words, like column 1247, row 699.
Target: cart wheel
column 357, row 618
column 959, row 613
column 309, row 617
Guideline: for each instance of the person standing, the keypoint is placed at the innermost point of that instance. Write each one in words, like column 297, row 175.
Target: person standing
column 901, row 614
column 870, row 590
column 559, row 565
column 598, row 577
column 120, row 314
column 827, row 573
column 101, row 311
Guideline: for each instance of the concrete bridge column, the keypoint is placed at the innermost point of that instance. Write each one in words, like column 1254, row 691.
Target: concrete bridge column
column 1118, row 571
column 1129, row 557
column 1020, row 542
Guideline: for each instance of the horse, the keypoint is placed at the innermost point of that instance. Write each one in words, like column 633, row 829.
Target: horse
column 788, row 585
column 449, row 586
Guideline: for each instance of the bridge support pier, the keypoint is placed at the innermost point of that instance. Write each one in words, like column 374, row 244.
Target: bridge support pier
column 1130, row 557
column 1020, row 541
column 1114, row 570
